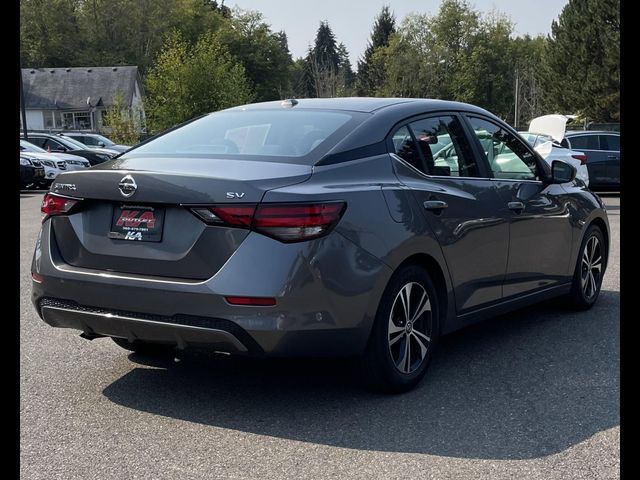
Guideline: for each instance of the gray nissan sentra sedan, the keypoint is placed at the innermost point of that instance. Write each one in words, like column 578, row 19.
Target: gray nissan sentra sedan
column 317, row 227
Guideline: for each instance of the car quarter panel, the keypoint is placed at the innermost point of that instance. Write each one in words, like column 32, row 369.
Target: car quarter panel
column 381, row 216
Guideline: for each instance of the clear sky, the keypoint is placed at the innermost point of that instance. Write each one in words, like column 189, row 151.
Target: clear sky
column 351, row 20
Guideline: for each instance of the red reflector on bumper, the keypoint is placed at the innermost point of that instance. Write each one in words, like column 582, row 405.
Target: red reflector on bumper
column 36, row 277
column 251, row 301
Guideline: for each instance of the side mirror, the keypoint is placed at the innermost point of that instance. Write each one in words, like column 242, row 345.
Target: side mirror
column 59, row 150
column 101, row 144
column 562, row 172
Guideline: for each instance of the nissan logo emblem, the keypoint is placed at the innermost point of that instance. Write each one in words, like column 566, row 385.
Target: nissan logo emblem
column 127, row 186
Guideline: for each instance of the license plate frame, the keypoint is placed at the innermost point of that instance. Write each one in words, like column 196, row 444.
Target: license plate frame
column 142, row 223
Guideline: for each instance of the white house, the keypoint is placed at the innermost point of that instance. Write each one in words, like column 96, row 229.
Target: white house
column 77, row 98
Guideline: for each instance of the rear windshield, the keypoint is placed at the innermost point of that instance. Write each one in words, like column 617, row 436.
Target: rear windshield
column 290, row 135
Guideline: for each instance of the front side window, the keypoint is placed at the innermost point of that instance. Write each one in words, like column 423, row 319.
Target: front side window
column 53, row 145
column 506, row 155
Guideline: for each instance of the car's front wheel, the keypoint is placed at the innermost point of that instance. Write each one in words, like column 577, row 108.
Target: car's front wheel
column 405, row 331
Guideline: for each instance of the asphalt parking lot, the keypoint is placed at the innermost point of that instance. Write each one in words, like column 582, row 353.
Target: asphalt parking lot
column 534, row 394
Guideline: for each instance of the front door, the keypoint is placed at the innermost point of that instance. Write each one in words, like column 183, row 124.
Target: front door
column 540, row 233
column 460, row 203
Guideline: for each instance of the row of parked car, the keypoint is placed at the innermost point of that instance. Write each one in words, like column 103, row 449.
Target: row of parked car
column 594, row 153
column 45, row 155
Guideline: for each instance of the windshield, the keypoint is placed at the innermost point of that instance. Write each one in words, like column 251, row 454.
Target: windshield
column 30, row 147
column 254, row 134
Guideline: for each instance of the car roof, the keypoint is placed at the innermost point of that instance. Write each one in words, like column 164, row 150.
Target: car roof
column 573, row 133
column 357, row 104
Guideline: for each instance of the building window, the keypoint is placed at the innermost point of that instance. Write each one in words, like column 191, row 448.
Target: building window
column 49, row 121
column 82, row 121
column 76, row 121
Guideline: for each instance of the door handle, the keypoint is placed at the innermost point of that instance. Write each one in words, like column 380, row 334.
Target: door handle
column 516, row 206
column 612, row 157
column 437, row 205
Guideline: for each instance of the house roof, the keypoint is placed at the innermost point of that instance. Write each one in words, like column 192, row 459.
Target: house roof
column 73, row 88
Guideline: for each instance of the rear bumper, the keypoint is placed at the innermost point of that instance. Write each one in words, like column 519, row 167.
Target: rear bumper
column 182, row 332
column 326, row 291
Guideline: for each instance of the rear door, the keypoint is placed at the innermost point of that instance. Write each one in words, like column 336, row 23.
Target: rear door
column 540, row 233
column 610, row 144
column 460, row 202
column 597, row 160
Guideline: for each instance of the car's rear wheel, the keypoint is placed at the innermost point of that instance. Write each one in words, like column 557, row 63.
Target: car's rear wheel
column 142, row 347
column 587, row 277
column 405, row 332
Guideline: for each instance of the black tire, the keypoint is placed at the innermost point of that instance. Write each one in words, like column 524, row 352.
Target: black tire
column 142, row 347
column 583, row 296
column 382, row 362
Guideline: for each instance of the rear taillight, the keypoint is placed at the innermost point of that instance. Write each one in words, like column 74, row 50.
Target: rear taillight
column 295, row 222
column 582, row 158
column 56, row 205
column 287, row 222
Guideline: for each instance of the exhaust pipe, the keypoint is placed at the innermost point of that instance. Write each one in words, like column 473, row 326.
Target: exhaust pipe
column 91, row 336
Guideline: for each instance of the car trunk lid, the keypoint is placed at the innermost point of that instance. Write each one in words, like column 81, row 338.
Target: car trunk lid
column 180, row 245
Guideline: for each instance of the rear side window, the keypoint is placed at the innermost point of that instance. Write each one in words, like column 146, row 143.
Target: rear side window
column 405, row 147
column 257, row 134
column 507, row 155
column 610, row 142
column 585, row 142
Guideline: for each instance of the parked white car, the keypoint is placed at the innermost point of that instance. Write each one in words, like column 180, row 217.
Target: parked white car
column 551, row 150
column 72, row 162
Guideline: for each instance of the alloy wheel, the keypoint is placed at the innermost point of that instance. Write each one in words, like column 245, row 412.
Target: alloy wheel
column 591, row 268
column 410, row 324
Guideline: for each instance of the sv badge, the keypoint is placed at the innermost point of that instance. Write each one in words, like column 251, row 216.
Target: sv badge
column 235, row 195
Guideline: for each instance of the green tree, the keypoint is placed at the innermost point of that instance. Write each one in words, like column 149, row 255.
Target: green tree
column 528, row 61
column 347, row 76
column 583, row 59
column 120, row 123
column 188, row 80
column 457, row 54
column 370, row 74
column 328, row 70
column 136, row 41
column 49, row 39
column 263, row 53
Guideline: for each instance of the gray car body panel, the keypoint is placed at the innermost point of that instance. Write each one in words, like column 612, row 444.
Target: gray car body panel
column 489, row 259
